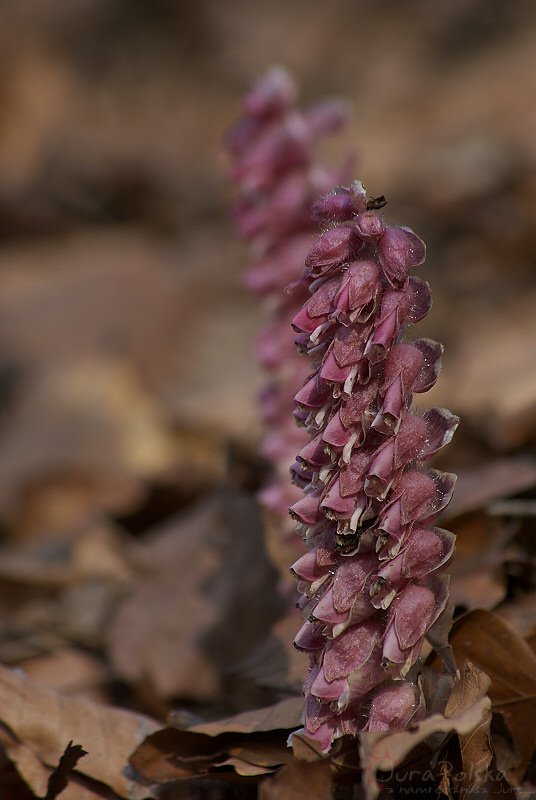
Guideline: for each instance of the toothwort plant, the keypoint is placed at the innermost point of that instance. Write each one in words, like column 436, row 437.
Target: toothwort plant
column 278, row 176
column 371, row 580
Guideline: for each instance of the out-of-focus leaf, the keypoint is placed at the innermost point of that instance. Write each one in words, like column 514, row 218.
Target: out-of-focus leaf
column 476, row 578
column 479, row 486
column 38, row 722
column 202, row 577
column 299, row 781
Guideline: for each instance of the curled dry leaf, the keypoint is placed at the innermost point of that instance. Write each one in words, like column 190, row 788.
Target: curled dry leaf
column 385, row 751
column 492, row 645
column 252, row 743
column 475, row 746
column 37, row 723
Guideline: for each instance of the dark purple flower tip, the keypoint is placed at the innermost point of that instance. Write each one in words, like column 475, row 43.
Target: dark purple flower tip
column 393, row 706
column 334, row 207
column 328, row 116
column 399, row 249
column 299, row 475
column 431, row 352
column 272, row 95
column 313, row 394
column 307, row 567
column 307, row 510
column 444, row 483
column 333, row 248
column 309, row 638
column 422, row 300
column 370, row 225
column 440, row 427
column 314, row 455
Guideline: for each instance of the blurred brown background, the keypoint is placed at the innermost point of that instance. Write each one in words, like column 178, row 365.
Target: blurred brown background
column 127, row 384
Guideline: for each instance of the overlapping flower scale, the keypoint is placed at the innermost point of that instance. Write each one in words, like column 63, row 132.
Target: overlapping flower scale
column 278, row 177
column 371, row 582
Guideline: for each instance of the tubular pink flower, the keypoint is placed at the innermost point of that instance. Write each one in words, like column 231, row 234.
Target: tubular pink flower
column 371, row 580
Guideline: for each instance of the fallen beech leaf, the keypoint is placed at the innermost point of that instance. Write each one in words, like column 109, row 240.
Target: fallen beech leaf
column 384, row 751
column 171, row 754
column 202, row 576
column 475, row 747
column 476, row 579
column 252, row 743
column 37, row 722
column 491, row 644
column 299, row 781
column 477, row 487
column 286, row 714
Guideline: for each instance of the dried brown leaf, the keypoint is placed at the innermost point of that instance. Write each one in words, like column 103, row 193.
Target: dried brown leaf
column 171, row 754
column 202, row 577
column 491, row 644
column 384, row 751
column 285, row 715
column 38, row 722
column 252, row 743
column 477, row 579
column 502, row 477
column 299, row 781
column 475, row 747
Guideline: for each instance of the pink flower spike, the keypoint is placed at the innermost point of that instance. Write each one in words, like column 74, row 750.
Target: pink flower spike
column 370, row 503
